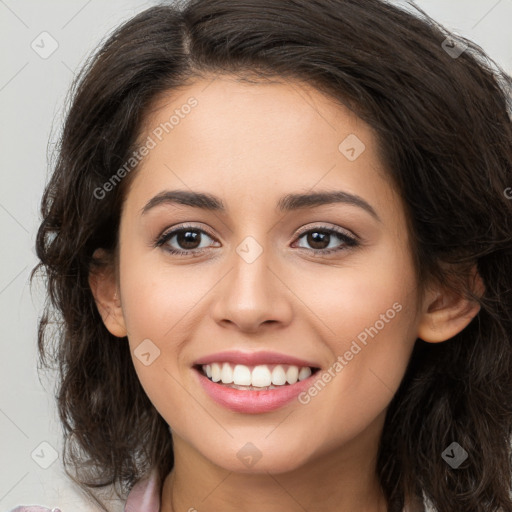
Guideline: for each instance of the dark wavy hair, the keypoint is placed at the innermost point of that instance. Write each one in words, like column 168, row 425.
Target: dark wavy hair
column 443, row 122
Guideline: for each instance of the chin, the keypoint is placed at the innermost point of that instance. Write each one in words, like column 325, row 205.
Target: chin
column 249, row 459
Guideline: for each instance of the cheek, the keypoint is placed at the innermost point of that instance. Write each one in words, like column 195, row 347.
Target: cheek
column 161, row 304
column 352, row 296
column 156, row 308
column 366, row 315
column 367, row 376
column 158, row 298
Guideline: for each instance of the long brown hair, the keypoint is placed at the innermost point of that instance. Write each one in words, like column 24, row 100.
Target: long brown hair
column 443, row 123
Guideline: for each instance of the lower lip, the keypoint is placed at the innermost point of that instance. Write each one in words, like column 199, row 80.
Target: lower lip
column 253, row 402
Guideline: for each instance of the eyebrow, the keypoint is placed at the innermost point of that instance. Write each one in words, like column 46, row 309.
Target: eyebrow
column 287, row 203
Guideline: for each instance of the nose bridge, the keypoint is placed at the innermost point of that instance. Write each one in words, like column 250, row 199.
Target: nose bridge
column 251, row 294
column 250, row 281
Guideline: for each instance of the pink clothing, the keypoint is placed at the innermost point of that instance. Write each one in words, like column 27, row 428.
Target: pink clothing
column 143, row 497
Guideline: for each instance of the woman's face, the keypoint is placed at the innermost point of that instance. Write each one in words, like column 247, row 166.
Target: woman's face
column 256, row 278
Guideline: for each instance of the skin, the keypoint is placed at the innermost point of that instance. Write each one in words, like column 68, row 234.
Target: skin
column 249, row 145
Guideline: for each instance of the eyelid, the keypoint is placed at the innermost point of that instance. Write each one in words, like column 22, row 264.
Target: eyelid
column 352, row 239
column 328, row 226
column 303, row 230
column 185, row 225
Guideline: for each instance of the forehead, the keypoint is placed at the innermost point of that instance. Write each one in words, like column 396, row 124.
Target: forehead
column 282, row 110
column 247, row 140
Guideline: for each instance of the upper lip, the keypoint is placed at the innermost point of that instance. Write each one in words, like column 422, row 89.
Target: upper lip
column 254, row 358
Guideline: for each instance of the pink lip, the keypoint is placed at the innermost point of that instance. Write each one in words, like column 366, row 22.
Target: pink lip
column 254, row 358
column 253, row 402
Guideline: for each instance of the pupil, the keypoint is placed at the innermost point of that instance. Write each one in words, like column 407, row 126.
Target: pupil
column 185, row 238
column 316, row 238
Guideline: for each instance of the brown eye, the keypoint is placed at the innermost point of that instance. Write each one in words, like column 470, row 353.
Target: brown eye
column 326, row 240
column 318, row 239
column 184, row 240
column 188, row 239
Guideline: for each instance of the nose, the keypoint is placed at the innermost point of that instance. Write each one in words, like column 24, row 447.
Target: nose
column 253, row 294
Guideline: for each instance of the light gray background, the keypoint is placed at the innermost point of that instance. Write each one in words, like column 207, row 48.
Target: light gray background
column 32, row 91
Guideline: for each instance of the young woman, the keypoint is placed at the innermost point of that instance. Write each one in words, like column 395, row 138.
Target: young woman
column 279, row 240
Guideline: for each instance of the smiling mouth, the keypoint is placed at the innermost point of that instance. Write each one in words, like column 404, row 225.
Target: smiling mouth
column 255, row 378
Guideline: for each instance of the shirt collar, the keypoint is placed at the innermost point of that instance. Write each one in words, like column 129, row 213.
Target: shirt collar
column 145, row 494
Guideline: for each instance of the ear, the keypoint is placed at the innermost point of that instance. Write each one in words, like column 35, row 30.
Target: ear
column 445, row 313
column 105, row 290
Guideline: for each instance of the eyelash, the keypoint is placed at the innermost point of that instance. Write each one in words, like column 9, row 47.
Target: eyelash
column 349, row 241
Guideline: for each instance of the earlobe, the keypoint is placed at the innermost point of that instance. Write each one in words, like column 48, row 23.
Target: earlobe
column 104, row 289
column 446, row 314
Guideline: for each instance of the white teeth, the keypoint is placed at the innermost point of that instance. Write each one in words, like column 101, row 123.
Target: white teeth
column 278, row 376
column 242, row 375
column 260, row 376
column 304, row 373
column 226, row 375
column 292, row 375
column 215, row 372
